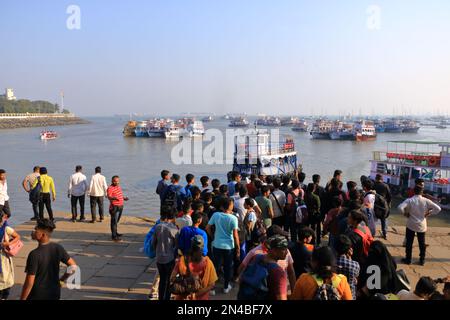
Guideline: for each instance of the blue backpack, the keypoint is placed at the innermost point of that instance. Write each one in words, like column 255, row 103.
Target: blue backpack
column 148, row 250
column 254, row 284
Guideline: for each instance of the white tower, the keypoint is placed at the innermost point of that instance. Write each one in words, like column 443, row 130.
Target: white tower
column 9, row 94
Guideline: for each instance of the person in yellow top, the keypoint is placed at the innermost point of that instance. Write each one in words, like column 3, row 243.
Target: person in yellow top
column 45, row 198
column 323, row 263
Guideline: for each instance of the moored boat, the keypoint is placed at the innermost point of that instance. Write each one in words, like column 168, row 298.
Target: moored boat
column 405, row 161
column 196, row 129
column 256, row 153
column 141, row 129
column 239, row 122
column 48, row 135
column 129, row 129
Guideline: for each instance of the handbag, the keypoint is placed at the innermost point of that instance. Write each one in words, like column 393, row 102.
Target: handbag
column 185, row 284
column 14, row 248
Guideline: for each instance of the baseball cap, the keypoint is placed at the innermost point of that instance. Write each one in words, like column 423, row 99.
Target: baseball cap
column 197, row 241
column 277, row 242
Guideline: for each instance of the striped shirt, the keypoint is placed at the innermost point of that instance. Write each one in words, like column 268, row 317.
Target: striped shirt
column 115, row 192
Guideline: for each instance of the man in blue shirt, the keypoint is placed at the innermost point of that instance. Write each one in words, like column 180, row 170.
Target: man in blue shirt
column 235, row 179
column 163, row 183
column 187, row 233
column 226, row 240
column 186, row 192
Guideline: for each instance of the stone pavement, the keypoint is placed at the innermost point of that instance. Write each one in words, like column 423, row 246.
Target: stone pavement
column 120, row 271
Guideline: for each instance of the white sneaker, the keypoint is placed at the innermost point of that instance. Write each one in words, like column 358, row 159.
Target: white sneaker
column 228, row 289
column 212, row 292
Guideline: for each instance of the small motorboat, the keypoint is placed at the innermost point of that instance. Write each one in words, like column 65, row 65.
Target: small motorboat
column 48, row 135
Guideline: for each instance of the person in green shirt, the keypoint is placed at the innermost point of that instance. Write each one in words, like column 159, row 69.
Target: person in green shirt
column 265, row 205
column 48, row 190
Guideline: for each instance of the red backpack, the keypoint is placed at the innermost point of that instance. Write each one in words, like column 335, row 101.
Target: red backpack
column 366, row 237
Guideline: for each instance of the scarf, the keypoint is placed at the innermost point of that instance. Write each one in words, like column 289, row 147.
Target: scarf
column 209, row 275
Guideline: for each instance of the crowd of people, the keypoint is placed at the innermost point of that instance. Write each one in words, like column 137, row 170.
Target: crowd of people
column 278, row 238
column 274, row 238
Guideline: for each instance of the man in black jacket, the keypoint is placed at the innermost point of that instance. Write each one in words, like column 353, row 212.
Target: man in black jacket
column 383, row 190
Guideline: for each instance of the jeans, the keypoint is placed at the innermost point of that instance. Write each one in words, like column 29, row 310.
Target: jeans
column 94, row 202
column 224, row 256
column 292, row 227
column 5, row 209
column 164, row 270
column 35, row 206
column 409, row 243
column 73, row 201
column 317, row 227
column 116, row 213
column 383, row 226
column 45, row 200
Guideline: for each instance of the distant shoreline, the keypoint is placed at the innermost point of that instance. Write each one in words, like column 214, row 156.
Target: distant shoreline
column 15, row 123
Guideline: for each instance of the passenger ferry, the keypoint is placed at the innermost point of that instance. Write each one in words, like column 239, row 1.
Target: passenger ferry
column 405, row 161
column 322, row 128
column 48, row 135
column 129, row 129
column 269, row 122
column 393, row 126
column 365, row 131
column 239, row 122
column 255, row 153
column 196, row 129
column 410, row 126
column 172, row 132
column 141, row 129
column 300, row 126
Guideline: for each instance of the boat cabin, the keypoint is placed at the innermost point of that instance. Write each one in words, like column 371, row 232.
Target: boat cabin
column 405, row 161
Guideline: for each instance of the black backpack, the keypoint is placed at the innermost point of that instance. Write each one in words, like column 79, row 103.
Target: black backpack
column 171, row 198
column 381, row 206
column 36, row 191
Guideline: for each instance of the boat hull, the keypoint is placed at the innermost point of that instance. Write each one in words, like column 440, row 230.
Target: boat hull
column 360, row 137
column 411, row 130
column 321, row 135
column 393, row 130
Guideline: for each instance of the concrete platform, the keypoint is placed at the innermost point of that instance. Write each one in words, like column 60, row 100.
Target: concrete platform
column 119, row 271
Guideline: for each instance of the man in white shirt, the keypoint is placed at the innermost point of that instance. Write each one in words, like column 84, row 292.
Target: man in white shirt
column 278, row 199
column 417, row 209
column 97, row 192
column 4, row 198
column 78, row 187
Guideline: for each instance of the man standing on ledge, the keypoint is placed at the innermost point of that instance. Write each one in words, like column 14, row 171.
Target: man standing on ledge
column 417, row 209
column 97, row 191
column 48, row 186
column 27, row 183
column 42, row 281
column 77, row 192
column 115, row 196
column 4, row 198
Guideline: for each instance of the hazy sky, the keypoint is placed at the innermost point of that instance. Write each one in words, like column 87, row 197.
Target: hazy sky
column 278, row 56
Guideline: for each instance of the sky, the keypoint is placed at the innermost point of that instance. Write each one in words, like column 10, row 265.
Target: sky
column 225, row 56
